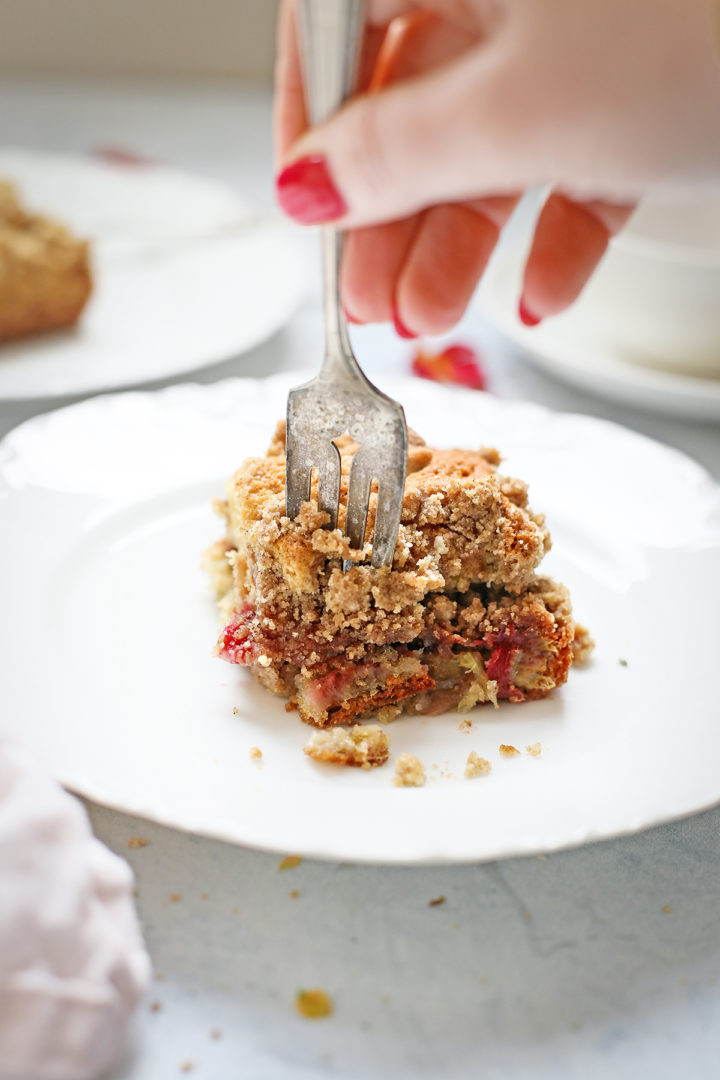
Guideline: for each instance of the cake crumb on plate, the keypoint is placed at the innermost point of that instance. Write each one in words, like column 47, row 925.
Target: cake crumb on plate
column 534, row 749
column 255, row 753
column 409, row 771
column 509, row 751
column 476, row 766
column 582, row 645
column 364, row 746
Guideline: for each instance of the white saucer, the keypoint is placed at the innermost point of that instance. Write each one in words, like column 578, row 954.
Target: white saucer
column 108, row 626
column 565, row 347
column 185, row 275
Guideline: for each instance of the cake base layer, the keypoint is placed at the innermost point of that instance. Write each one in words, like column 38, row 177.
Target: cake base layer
column 490, row 647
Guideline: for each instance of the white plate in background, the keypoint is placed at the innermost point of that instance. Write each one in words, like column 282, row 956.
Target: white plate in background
column 185, row 275
column 108, row 626
column 568, row 348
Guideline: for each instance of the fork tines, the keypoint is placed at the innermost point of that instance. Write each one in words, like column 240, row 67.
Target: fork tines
column 319, row 412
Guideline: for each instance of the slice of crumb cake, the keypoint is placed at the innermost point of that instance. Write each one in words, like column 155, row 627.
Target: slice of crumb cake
column 45, row 277
column 460, row 619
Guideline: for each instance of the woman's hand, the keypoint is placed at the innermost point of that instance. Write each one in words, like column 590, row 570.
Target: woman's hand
column 466, row 103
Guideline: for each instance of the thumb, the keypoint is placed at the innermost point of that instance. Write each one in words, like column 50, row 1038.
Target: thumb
column 434, row 138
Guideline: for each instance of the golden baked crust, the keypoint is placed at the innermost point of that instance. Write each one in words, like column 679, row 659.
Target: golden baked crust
column 45, row 278
column 461, row 618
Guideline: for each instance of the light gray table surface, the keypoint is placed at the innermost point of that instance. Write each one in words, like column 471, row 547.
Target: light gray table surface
column 593, row 963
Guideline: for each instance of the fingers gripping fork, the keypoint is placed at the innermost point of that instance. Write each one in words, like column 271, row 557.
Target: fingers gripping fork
column 340, row 399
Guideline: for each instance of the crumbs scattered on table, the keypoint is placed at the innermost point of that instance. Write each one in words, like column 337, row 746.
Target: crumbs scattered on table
column 534, row 749
column 187, row 1066
column 437, row 901
column 476, row 766
column 465, row 725
column 622, row 663
column 234, row 910
column 294, row 894
column 236, row 711
column 667, row 909
column 216, row 1033
column 509, row 751
column 137, row 842
column 174, row 897
column 409, row 771
column 290, row 862
column 255, row 753
column 313, row 1004
column 155, row 1006
column 203, row 896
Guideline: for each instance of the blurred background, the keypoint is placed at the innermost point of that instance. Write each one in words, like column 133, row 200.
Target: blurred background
column 222, row 39
column 187, row 88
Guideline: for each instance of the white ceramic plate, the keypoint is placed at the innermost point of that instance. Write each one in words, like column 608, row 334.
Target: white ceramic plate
column 108, row 626
column 185, row 276
column 568, row 348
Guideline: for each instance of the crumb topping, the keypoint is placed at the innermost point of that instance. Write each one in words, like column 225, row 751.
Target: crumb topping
column 509, row 751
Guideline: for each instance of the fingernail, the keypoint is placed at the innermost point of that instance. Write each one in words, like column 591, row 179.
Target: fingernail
column 400, row 328
column 351, row 318
column 526, row 316
column 306, row 192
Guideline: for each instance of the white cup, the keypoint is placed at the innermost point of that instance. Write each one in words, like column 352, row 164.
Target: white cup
column 655, row 298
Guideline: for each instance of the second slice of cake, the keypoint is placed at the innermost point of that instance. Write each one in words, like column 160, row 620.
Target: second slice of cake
column 460, row 619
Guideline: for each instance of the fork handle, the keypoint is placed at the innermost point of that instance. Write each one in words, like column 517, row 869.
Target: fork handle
column 330, row 38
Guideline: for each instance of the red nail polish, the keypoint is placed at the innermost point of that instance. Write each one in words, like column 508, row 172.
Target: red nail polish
column 400, row 328
column 306, row 192
column 526, row 316
column 351, row 318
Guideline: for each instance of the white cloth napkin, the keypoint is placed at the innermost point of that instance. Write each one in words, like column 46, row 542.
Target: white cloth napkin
column 72, row 960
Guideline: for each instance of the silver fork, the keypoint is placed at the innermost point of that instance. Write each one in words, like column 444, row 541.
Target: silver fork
column 340, row 398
